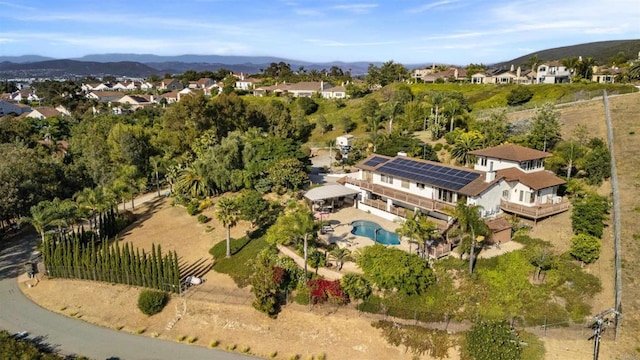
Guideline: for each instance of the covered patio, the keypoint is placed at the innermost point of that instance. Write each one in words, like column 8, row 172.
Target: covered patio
column 328, row 198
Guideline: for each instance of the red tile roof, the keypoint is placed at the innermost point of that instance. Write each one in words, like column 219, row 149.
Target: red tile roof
column 535, row 180
column 511, row 152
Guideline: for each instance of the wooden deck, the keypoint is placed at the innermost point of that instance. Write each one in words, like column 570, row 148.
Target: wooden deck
column 535, row 212
column 405, row 197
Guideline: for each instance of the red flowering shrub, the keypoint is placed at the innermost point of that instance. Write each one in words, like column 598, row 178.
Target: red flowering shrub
column 279, row 275
column 322, row 290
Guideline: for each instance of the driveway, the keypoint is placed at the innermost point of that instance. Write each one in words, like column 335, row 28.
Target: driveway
column 70, row 336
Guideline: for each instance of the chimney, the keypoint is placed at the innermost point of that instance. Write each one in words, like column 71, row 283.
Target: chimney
column 518, row 72
column 490, row 175
column 512, row 68
column 321, row 85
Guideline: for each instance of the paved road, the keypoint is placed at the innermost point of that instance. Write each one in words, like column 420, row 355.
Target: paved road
column 70, row 336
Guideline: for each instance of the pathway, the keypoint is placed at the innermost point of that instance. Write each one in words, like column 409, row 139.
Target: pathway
column 70, row 336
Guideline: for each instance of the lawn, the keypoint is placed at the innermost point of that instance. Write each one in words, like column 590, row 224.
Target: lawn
column 243, row 251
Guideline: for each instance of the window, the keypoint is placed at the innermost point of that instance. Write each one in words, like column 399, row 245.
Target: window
column 505, row 194
column 482, row 161
column 404, row 184
column 521, row 196
column 445, row 195
column 420, row 186
column 386, row 179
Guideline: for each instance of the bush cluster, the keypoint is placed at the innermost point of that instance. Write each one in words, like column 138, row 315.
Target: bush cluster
column 151, row 302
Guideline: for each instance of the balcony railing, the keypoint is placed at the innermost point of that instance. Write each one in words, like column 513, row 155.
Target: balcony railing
column 537, row 211
column 407, row 198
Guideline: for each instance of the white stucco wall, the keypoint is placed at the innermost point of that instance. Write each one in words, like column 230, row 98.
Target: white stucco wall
column 489, row 200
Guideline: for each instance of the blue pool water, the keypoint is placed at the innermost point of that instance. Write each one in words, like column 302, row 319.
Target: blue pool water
column 374, row 232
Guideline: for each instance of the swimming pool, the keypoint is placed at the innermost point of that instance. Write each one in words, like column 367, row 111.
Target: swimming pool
column 374, row 232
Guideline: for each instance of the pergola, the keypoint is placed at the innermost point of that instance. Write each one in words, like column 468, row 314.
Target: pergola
column 323, row 198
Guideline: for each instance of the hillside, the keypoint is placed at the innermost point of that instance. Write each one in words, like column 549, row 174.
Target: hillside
column 601, row 51
column 65, row 67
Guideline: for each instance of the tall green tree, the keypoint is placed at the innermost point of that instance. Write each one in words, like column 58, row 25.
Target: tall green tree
column 470, row 223
column 545, row 131
column 295, row 226
column 228, row 215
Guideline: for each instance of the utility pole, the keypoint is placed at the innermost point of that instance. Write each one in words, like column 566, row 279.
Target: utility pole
column 599, row 326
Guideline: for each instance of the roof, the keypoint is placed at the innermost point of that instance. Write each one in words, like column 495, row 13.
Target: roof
column 432, row 173
column 511, row 152
column 329, row 192
column 535, row 180
column 48, row 112
column 498, row 224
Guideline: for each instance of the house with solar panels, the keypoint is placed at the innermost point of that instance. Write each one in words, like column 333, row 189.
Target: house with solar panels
column 506, row 178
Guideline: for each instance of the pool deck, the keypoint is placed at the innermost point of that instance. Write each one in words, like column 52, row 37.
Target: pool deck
column 341, row 221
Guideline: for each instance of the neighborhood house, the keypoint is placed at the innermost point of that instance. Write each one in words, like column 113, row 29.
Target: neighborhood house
column 505, row 179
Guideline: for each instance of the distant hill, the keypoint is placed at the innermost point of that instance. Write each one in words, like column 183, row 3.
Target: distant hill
column 202, row 59
column 24, row 59
column 56, row 68
column 601, row 51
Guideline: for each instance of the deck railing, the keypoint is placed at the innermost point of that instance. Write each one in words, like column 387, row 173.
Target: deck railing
column 537, row 211
column 408, row 198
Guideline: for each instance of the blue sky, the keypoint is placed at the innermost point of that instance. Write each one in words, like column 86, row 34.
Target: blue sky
column 407, row 31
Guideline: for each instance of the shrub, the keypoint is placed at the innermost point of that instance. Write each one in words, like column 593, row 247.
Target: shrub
column 152, row 302
column 519, row 96
column 214, row 343
column 324, row 290
column 437, row 147
column 307, row 105
column 202, row 218
column 273, row 354
column 192, row 339
column 585, row 248
column 193, row 208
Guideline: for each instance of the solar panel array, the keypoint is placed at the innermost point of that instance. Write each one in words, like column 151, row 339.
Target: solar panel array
column 375, row 161
column 430, row 174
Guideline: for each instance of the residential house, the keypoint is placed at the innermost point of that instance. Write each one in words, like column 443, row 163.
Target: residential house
column 202, row 83
column 246, row 84
column 126, row 85
column 13, row 107
column 605, row 75
column 106, row 96
column 169, row 98
column 336, row 92
column 433, row 75
column 136, row 101
column 507, row 178
column 501, row 76
column 170, row 84
column 88, row 87
column 25, row 95
column 305, row 88
column 146, row 85
column 553, row 73
column 44, row 113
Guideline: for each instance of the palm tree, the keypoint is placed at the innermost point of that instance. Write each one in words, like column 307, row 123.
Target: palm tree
column 470, row 223
column 340, row 256
column 425, row 230
column 452, row 108
column 571, row 64
column 94, row 200
column 227, row 213
column 464, row 144
column 41, row 217
column 193, row 180
column 409, row 227
column 172, row 175
column 634, row 71
column 64, row 213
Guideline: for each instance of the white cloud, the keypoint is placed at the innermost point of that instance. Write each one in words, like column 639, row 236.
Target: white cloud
column 433, row 5
column 356, row 8
column 16, row 6
column 334, row 43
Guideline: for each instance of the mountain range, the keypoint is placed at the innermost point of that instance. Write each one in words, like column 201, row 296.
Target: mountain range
column 143, row 65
